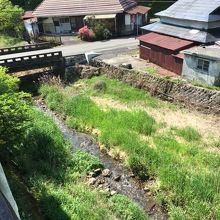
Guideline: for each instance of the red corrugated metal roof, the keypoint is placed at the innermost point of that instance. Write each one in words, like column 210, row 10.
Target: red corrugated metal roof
column 28, row 14
column 53, row 8
column 164, row 41
column 138, row 10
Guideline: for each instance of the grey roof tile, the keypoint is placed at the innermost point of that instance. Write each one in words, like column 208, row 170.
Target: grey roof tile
column 184, row 33
column 198, row 10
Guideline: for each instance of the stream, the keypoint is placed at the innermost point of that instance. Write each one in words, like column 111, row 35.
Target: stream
column 128, row 185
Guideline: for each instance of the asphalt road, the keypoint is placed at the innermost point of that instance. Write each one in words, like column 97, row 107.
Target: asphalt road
column 99, row 46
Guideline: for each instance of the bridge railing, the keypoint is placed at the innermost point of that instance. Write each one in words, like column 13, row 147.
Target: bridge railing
column 19, row 49
column 32, row 61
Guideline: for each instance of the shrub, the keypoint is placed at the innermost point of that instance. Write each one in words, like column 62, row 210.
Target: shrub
column 14, row 108
column 98, row 30
column 7, row 83
column 86, row 34
column 9, row 16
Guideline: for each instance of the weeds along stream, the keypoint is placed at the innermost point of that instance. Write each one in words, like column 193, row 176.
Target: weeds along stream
column 128, row 185
column 176, row 147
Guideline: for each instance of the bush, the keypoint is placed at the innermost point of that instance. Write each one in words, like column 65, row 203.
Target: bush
column 9, row 16
column 14, row 108
column 86, row 34
column 97, row 31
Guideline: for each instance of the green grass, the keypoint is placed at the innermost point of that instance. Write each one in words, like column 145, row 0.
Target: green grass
column 188, row 133
column 118, row 90
column 7, row 41
column 56, row 177
column 206, row 86
column 189, row 176
column 151, row 70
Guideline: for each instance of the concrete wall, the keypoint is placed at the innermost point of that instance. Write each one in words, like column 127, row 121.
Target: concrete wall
column 191, row 72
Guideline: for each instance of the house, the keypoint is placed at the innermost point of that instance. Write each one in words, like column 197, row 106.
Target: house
column 65, row 17
column 194, row 21
column 30, row 24
column 202, row 64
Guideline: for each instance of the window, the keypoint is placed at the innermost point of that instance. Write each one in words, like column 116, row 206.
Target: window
column 56, row 23
column 64, row 20
column 203, row 65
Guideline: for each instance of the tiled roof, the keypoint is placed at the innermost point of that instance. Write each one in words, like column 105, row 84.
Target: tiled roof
column 27, row 15
column 138, row 10
column 197, row 10
column 52, row 8
column 164, row 41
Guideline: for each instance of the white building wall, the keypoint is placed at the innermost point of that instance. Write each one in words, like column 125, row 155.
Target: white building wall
column 191, row 72
column 48, row 26
column 191, row 24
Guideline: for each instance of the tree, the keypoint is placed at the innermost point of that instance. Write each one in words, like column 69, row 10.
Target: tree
column 10, row 18
column 27, row 4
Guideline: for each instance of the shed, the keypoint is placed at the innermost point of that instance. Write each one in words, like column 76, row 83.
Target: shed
column 164, row 50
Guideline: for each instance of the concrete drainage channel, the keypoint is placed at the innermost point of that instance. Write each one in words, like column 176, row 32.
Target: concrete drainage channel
column 114, row 178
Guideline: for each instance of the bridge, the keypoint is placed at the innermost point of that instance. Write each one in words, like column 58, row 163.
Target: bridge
column 22, row 55
column 28, row 62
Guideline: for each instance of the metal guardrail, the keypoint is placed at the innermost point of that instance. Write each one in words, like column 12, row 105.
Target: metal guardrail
column 19, row 49
column 32, row 61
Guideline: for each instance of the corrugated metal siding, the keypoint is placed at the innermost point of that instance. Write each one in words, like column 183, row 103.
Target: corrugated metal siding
column 162, row 57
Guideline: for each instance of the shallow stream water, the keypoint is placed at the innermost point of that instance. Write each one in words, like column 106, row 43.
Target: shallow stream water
column 128, row 184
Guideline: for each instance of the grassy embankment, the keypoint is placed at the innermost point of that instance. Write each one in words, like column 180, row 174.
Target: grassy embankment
column 154, row 139
column 56, row 177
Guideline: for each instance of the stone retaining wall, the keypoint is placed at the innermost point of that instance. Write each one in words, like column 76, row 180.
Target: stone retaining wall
column 201, row 99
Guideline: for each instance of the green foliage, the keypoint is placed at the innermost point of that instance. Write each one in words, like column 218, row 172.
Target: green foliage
column 189, row 176
column 120, row 91
column 99, row 28
column 14, row 109
column 8, row 83
column 126, row 210
column 44, row 144
column 9, row 16
column 55, row 175
column 54, row 96
column 84, row 162
column 151, row 70
column 27, row 4
column 7, row 41
column 206, row 86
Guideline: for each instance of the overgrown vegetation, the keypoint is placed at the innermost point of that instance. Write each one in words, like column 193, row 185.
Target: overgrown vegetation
column 188, row 174
column 9, row 16
column 7, row 41
column 14, row 116
column 42, row 162
column 94, row 30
